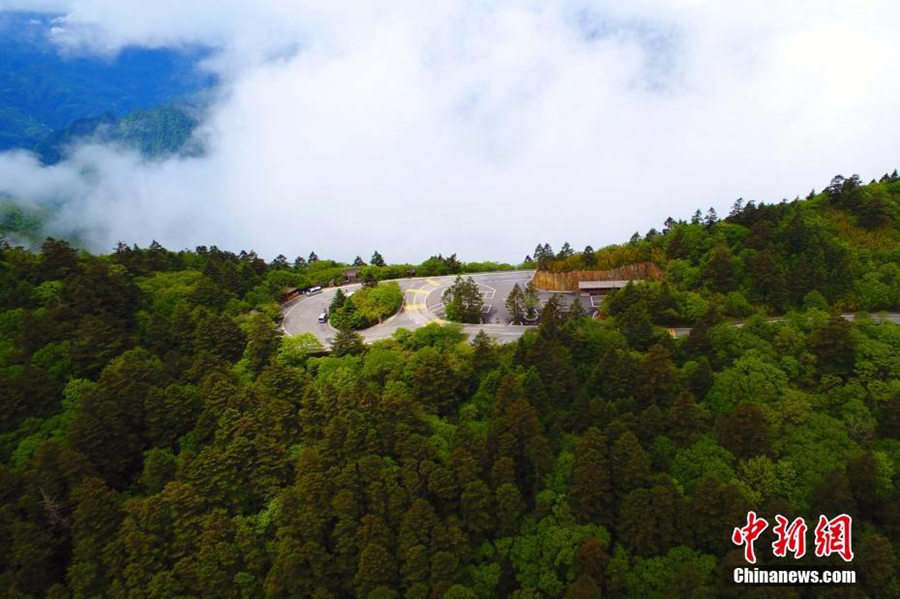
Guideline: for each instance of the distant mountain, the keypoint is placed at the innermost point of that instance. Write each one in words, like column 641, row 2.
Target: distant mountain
column 42, row 90
column 157, row 132
column 21, row 222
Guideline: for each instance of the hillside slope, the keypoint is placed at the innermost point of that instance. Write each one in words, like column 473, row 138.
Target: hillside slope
column 42, row 90
column 160, row 437
column 155, row 133
column 840, row 247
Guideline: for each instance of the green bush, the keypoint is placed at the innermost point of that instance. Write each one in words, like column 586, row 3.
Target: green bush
column 366, row 307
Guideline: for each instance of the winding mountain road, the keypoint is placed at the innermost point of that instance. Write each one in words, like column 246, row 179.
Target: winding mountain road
column 422, row 305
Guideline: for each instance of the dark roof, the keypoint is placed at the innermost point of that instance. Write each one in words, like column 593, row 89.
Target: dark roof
column 602, row 284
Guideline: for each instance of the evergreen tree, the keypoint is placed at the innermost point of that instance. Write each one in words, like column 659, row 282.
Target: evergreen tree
column 576, row 310
column 697, row 217
column 337, row 302
column 767, row 282
column 648, row 524
column 636, row 326
column 591, row 492
column 588, row 257
column 685, row 419
column 484, row 356
column 463, row 301
column 834, row 347
column 347, row 342
column 629, row 464
column 530, row 300
column 280, row 263
column 745, row 431
column 263, row 341
column 510, row 507
column 719, row 272
column 515, row 304
column 376, row 567
column 433, row 382
column 657, row 379
column 877, row 563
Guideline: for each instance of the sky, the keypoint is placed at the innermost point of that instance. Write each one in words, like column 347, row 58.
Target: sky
column 478, row 128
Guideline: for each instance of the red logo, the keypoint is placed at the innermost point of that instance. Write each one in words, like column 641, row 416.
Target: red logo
column 747, row 535
column 831, row 536
column 790, row 537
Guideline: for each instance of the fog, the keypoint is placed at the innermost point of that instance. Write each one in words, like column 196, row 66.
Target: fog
column 478, row 128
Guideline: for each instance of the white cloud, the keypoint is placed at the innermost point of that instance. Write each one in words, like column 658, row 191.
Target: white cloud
column 483, row 129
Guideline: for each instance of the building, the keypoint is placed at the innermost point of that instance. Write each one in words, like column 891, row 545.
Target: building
column 600, row 287
column 289, row 293
column 351, row 275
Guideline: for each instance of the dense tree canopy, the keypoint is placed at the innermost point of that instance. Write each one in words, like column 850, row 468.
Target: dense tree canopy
column 159, row 437
column 836, row 249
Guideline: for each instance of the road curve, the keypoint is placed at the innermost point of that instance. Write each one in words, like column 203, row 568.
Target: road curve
column 421, row 306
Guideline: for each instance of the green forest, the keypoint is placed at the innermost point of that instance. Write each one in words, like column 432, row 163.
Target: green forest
column 155, row 133
column 160, row 438
column 839, row 248
column 46, row 92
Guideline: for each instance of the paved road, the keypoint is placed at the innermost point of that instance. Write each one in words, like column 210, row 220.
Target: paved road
column 878, row 317
column 422, row 305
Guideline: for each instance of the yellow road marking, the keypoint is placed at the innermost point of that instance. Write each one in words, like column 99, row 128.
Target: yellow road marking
column 432, row 282
column 415, row 306
column 418, row 291
column 439, row 321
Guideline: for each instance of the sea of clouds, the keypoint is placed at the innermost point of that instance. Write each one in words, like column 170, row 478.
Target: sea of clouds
column 480, row 128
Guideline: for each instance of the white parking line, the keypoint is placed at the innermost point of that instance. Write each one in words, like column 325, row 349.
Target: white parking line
column 417, row 291
column 488, row 295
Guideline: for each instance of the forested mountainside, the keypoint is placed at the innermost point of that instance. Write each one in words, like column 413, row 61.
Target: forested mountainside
column 155, row 133
column 837, row 248
column 22, row 223
column 46, row 88
column 159, row 437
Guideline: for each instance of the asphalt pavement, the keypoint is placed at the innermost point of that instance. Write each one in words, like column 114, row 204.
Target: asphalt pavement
column 422, row 305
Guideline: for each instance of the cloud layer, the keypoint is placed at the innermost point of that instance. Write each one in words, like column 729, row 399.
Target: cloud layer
column 478, row 128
